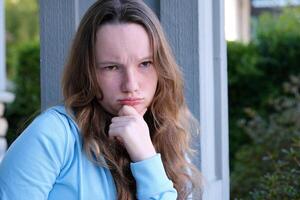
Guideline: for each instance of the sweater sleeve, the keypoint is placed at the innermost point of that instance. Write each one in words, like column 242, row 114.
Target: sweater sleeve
column 152, row 181
column 32, row 163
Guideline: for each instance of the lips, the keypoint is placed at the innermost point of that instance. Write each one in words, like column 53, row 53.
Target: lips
column 130, row 101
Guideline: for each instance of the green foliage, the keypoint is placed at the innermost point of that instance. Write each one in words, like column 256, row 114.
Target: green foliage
column 287, row 22
column 21, row 20
column 242, row 70
column 273, row 170
column 22, row 26
column 282, row 184
column 279, row 47
column 27, row 89
column 22, row 61
column 264, row 116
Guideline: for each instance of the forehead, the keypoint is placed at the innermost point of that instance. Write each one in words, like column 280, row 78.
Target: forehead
column 118, row 40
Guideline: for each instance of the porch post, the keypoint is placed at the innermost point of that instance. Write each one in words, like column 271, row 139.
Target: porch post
column 58, row 22
column 5, row 97
column 195, row 30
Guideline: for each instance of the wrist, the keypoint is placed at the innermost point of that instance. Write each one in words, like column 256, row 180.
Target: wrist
column 149, row 153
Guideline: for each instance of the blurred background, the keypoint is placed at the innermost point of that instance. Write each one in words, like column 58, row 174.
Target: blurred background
column 22, row 63
column 263, row 51
column 263, row 48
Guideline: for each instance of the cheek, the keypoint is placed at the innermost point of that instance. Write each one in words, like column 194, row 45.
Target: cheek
column 152, row 83
column 107, row 84
column 109, row 92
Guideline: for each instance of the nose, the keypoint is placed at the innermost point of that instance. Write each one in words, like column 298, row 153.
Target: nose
column 130, row 81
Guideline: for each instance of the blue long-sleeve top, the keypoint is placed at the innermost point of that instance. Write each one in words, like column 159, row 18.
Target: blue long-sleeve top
column 47, row 162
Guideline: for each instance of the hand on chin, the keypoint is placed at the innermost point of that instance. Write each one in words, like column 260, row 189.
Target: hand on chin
column 130, row 129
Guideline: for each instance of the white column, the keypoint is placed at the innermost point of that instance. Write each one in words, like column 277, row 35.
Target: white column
column 2, row 47
column 195, row 29
column 231, row 20
column 5, row 96
column 237, row 20
column 244, row 22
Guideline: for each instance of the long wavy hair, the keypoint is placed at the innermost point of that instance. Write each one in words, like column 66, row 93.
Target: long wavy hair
column 168, row 117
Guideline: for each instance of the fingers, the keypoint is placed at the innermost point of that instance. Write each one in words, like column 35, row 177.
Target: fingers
column 115, row 132
column 118, row 124
column 129, row 110
column 131, row 131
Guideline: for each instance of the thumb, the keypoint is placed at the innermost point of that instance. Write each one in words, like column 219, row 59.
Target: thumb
column 127, row 110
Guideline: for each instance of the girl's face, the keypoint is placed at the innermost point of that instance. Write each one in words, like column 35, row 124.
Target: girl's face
column 125, row 70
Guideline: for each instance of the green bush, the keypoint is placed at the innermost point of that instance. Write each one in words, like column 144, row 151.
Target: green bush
column 270, row 166
column 242, row 70
column 22, row 25
column 261, row 134
column 258, row 69
column 27, row 89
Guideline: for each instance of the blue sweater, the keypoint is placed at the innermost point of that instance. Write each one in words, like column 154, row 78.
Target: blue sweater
column 47, row 162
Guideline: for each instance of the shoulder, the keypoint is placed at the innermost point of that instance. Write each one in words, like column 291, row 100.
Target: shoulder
column 53, row 118
column 54, row 122
column 36, row 157
column 52, row 132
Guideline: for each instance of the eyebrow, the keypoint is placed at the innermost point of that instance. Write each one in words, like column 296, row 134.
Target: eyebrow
column 147, row 58
column 108, row 62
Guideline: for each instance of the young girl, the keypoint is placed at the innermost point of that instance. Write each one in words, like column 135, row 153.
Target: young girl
column 122, row 132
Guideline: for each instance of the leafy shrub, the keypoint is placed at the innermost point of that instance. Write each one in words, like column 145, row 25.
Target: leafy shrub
column 258, row 69
column 27, row 89
column 22, row 25
column 264, row 135
column 242, row 70
column 270, row 166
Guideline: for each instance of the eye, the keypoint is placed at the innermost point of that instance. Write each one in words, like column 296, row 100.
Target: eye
column 111, row 67
column 146, row 64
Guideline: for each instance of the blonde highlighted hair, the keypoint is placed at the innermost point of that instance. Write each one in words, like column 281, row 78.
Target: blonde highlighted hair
column 168, row 117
